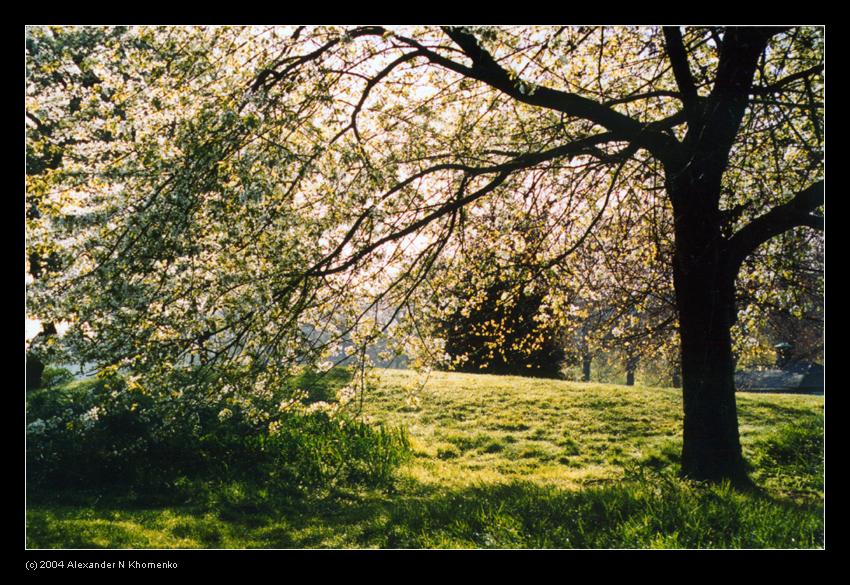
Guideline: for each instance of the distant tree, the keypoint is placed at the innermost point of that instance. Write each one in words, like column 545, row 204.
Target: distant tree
column 782, row 296
column 503, row 331
column 494, row 314
column 622, row 288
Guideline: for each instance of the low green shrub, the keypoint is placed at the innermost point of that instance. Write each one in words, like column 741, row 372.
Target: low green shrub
column 53, row 376
column 112, row 432
column 316, row 450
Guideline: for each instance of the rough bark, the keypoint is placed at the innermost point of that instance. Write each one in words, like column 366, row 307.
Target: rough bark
column 711, row 443
column 705, row 296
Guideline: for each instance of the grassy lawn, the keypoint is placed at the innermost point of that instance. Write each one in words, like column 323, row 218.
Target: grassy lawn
column 499, row 462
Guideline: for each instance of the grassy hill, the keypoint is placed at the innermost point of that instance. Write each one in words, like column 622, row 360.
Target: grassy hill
column 501, row 462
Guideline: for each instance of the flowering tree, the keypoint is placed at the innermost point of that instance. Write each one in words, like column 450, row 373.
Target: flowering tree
column 248, row 197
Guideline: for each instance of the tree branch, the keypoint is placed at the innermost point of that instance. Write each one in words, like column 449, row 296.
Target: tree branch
column 778, row 85
column 503, row 170
column 681, row 70
column 712, row 136
column 371, row 84
column 485, row 68
column 453, row 205
column 643, row 96
column 271, row 75
column 794, row 213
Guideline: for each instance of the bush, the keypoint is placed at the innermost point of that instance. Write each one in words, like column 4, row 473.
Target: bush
column 87, row 433
column 108, row 432
column 52, row 377
column 315, row 450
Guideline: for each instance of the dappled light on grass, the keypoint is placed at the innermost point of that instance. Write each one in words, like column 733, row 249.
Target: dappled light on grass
column 496, row 462
column 653, row 510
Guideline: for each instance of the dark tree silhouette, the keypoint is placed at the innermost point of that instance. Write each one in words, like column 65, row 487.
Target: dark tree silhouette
column 501, row 335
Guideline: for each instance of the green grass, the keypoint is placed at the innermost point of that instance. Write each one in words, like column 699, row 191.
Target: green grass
column 321, row 386
column 499, row 462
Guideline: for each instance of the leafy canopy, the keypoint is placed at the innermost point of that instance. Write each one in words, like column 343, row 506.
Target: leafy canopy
column 243, row 200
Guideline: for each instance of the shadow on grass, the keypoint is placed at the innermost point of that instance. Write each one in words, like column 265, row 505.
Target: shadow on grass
column 648, row 510
column 767, row 411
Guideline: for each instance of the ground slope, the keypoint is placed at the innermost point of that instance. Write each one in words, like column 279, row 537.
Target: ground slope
column 502, row 462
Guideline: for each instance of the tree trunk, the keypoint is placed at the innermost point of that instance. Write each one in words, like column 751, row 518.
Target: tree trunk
column 34, row 371
column 704, row 268
column 677, row 377
column 631, row 366
column 711, row 447
column 705, row 296
column 35, row 360
column 586, row 359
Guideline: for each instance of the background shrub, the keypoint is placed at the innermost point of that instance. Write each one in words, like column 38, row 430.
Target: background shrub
column 53, row 376
column 111, row 432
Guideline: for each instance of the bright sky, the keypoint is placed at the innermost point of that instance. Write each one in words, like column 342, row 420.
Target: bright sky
column 34, row 327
